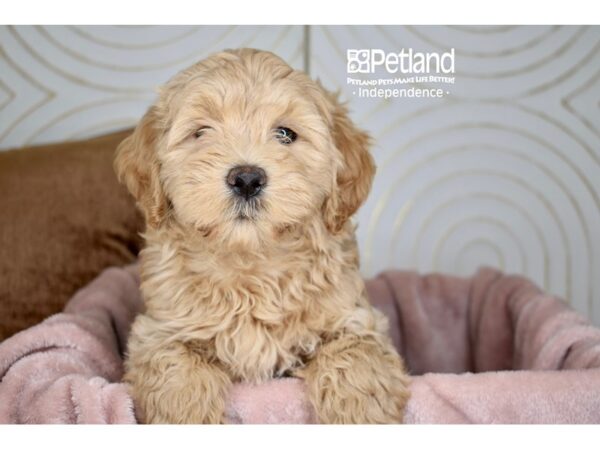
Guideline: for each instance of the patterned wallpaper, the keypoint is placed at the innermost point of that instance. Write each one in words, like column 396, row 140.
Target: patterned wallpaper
column 66, row 82
column 504, row 171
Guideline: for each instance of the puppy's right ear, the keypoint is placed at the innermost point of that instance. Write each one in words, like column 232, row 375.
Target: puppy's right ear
column 137, row 166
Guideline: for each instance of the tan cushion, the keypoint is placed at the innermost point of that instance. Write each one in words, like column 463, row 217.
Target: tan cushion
column 63, row 218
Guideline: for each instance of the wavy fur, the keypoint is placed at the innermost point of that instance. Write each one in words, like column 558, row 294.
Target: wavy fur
column 238, row 291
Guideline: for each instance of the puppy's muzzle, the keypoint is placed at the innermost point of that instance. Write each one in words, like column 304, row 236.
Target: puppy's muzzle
column 246, row 181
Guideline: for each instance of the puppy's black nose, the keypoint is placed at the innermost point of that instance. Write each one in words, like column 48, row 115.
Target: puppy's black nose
column 246, row 181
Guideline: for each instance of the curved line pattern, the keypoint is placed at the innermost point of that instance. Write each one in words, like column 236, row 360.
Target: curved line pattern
column 484, row 29
column 544, row 244
column 84, row 58
column 82, row 31
column 566, row 103
column 405, row 209
column 78, row 109
column 48, row 95
column 517, row 131
column 492, row 54
column 575, row 66
column 10, row 94
column 560, row 125
column 481, row 219
column 107, row 87
column 561, row 50
column 566, row 75
column 102, row 127
column 31, row 64
column 62, row 73
column 508, row 230
column 483, row 242
column 23, row 73
column 453, row 151
column 485, row 195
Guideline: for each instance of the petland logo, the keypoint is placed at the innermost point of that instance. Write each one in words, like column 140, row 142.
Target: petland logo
column 368, row 60
column 418, row 69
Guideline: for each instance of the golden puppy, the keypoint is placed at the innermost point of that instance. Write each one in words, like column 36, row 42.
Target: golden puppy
column 247, row 172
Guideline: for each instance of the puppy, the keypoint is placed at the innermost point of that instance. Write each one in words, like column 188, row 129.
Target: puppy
column 247, row 172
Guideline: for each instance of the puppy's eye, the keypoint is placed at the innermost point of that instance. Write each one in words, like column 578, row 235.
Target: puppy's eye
column 200, row 131
column 285, row 135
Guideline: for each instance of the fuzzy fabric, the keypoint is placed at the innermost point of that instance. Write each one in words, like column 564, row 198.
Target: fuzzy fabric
column 64, row 217
column 486, row 349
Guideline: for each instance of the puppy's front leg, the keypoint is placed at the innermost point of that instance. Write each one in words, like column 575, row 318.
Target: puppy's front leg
column 174, row 384
column 355, row 379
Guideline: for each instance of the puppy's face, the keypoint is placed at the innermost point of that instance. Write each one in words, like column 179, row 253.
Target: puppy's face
column 241, row 147
column 247, row 149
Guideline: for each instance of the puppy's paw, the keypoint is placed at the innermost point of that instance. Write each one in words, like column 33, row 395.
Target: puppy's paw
column 357, row 380
column 175, row 385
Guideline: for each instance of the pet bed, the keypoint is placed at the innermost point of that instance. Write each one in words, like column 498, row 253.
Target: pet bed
column 490, row 348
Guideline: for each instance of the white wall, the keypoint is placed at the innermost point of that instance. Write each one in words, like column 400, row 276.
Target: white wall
column 505, row 171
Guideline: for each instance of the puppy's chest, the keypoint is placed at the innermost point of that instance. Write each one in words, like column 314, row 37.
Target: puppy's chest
column 258, row 327
column 258, row 320
column 255, row 350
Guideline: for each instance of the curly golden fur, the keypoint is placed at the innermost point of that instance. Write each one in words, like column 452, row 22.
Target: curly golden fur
column 239, row 290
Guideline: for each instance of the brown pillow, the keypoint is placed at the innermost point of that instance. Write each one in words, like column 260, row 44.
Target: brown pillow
column 63, row 218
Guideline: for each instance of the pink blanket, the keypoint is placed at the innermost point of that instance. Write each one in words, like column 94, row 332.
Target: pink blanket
column 487, row 349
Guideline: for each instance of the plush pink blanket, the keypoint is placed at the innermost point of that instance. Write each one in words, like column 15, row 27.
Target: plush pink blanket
column 487, row 349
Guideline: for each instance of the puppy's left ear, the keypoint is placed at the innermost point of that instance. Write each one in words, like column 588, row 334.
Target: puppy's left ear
column 136, row 164
column 354, row 178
